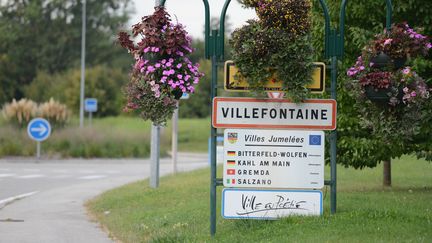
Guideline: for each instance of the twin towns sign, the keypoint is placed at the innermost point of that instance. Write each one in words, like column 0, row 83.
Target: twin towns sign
column 274, row 158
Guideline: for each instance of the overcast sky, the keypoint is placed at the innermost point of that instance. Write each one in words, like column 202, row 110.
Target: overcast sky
column 191, row 13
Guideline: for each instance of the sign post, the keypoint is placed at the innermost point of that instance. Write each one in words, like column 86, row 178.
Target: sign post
column 39, row 130
column 90, row 105
column 334, row 37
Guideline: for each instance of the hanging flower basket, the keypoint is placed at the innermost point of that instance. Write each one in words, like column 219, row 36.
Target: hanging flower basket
column 378, row 95
column 399, row 62
column 277, row 45
column 381, row 73
column 162, row 70
column 400, row 43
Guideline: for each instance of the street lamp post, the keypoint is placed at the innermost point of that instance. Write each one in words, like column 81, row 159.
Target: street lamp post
column 83, row 40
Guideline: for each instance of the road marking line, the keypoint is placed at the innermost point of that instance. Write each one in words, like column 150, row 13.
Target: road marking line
column 61, row 176
column 86, row 171
column 32, row 170
column 6, row 175
column 30, row 176
column 59, row 171
column 91, row 177
column 9, row 200
column 112, row 171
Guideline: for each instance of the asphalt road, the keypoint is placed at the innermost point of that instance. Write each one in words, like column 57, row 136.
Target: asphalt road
column 42, row 201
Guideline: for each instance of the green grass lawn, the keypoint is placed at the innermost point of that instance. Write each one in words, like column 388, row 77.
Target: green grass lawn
column 178, row 211
column 111, row 137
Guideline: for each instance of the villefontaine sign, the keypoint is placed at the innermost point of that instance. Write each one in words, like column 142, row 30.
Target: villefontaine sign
column 235, row 82
column 312, row 114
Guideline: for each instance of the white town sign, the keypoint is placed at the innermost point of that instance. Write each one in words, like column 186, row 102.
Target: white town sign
column 313, row 114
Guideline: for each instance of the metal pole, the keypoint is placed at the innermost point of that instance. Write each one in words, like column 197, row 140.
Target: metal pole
column 83, row 40
column 175, row 138
column 333, row 140
column 154, row 149
column 90, row 118
column 38, row 149
column 154, row 157
column 213, row 141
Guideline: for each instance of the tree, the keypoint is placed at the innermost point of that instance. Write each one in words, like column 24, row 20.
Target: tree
column 102, row 82
column 46, row 35
column 356, row 147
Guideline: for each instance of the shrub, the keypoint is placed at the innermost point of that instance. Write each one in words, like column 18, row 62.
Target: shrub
column 101, row 82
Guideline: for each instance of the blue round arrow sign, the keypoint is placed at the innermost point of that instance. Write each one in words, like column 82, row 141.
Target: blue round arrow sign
column 39, row 129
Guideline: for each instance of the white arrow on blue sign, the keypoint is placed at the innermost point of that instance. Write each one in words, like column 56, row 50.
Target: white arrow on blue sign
column 39, row 129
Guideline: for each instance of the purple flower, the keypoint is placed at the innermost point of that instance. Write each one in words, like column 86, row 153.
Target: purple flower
column 179, row 65
column 428, row 45
column 147, row 49
column 388, row 41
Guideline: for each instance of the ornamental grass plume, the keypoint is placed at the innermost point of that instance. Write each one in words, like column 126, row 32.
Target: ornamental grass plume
column 162, row 71
column 21, row 112
column 56, row 113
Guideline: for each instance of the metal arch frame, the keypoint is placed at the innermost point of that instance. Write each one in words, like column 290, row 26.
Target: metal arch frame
column 334, row 42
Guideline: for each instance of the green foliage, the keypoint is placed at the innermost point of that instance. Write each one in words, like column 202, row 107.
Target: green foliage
column 265, row 53
column 289, row 15
column 46, row 36
column 364, row 19
column 101, row 82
